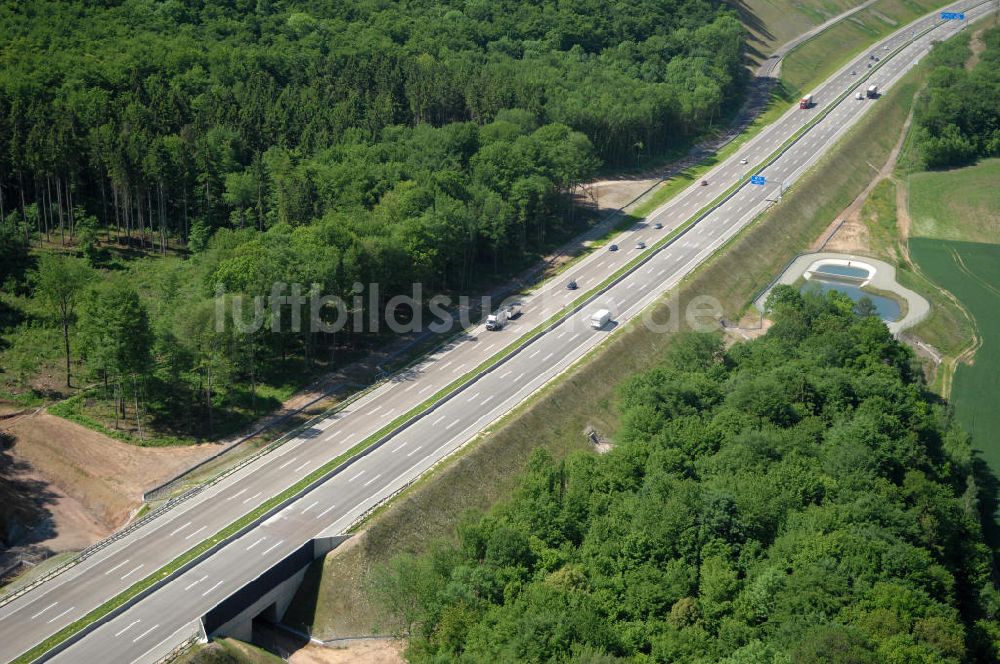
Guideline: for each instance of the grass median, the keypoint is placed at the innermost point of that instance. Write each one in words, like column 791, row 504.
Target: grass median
column 890, row 102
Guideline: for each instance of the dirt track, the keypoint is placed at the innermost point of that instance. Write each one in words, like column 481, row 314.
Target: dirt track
column 93, row 484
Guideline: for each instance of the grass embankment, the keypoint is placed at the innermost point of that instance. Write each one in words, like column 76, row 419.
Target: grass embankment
column 228, row 651
column 333, row 600
column 815, row 60
column 770, row 24
column 955, row 242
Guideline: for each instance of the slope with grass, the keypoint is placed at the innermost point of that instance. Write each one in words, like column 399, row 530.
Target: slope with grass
column 334, row 601
column 816, row 59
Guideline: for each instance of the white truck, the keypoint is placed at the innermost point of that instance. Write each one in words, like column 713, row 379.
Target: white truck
column 498, row 321
column 600, row 318
column 872, row 92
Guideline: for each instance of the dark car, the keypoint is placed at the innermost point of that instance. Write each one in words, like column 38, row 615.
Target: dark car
column 572, row 285
column 704, row 183
column 657, row 225
column 640, row 245
column 613, row 247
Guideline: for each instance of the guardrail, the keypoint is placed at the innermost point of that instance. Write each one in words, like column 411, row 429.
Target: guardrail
column 423, row 409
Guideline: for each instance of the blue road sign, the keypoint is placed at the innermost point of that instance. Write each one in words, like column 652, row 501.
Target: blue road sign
column 757, row 179
column 952, row 16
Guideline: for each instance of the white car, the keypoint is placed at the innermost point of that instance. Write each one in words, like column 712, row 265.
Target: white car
column 859, row 96
column 744, row 162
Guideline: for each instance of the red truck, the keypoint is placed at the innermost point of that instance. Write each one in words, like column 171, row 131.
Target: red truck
column 806, row 102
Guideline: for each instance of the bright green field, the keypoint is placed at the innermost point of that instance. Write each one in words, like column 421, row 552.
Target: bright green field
column 955, row 239
column 971, row 271
column 962, row 204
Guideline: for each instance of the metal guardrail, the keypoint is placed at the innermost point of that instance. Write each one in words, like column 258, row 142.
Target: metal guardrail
column 291, row 435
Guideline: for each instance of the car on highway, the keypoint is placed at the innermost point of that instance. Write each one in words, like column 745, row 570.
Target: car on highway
column 704, row 183
column 613, row 247
column 744, row 161
column 640, row 245
column 860, row 95
column 854, row 73
column 572, row 285
column 657, row 225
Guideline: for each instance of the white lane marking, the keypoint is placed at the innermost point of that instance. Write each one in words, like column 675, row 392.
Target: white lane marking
column 194, row 583
column 323, row 426
column 128, row 627
column 219, row 583
column 237, row 494
column 351, row 437
column 256, row 543
column 452, row 424
column 146, row 632
column 473, row 397
column 360, row 473
column 320, row 515
column 401, row 446
column 128, row 574
column 116, row 567
column 519, row 377
column 374, row 410
column 271, row 548
column 660, row 273
column 46, row 609
column 414, row 450
column 457, row 369
column 561, row 334
column 180, row 528
column 195, row 532
column 488, row 399
column 314, row 504
column 410, row 387
column 547, row 358
column 630, row 284
column 425, row 388
column 437, row 421
column 373, row 479
column 252, row 497
column 389, row 413
column 491, row 347
column 447, row 364
column 575, row 336
column 506, row 373
column 535, row 353
column 62, row 614
column 290, row 461
column 299, row 469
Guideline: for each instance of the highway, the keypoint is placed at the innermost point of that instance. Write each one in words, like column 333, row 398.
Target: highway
column 154, row 625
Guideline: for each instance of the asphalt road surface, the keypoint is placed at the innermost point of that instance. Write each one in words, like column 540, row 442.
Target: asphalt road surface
column 156, row 624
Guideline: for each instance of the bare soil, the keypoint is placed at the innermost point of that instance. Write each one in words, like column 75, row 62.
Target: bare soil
column 977, row 46
column 373, row 651
column 88, row 485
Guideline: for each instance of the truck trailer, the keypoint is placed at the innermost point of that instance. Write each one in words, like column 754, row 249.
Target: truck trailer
column 872, row 92
column 498, row 321
column 806, row 102
column 600, row 318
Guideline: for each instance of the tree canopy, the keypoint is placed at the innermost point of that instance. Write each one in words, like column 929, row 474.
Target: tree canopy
column 796, row 498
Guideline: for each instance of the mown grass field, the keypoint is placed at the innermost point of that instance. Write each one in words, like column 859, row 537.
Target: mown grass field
column 334, row 600
column 955, row 241
column 815, row 60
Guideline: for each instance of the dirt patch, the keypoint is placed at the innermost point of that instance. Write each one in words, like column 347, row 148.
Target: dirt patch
column 95, row 483
column 977, row 46
column 368, row 651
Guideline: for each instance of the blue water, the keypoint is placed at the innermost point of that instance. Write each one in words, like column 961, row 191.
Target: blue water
column 888, row 310
column 844, row 271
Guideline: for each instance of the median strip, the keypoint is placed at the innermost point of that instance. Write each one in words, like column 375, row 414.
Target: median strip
column 76, row 630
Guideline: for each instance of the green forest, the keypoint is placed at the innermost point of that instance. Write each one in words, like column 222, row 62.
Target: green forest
column 796, row 499
column 958, row 118
column 159, row 149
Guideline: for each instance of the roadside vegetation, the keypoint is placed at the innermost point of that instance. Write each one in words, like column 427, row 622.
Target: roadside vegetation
column 335, row 601
column 321, row 145
column 771, row 502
